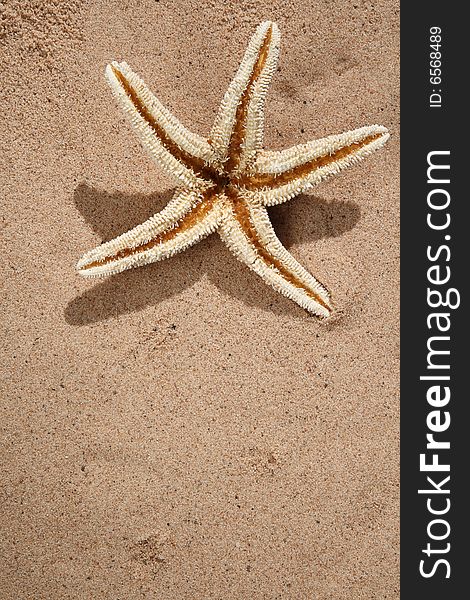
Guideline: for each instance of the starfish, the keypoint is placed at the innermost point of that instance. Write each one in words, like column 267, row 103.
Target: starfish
column 226, row 182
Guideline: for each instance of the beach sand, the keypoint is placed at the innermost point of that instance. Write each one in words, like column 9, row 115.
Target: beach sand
column 182, row 431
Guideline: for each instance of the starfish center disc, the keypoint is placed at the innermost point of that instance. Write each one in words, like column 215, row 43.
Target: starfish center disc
column 222, row 180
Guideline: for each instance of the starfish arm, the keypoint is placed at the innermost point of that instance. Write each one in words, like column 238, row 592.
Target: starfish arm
column 282, row 175
column 178, row 151
column 248, row 233
column 187, row 218
column 237, row 134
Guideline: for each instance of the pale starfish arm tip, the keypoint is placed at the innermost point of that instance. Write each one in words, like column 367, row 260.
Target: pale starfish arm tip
column 178, row 151
column 248, row 233
column 186, row 219
column 282, row 175
column 237, row 133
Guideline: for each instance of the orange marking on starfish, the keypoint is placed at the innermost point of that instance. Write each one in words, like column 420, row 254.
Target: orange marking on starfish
column 194, row 216
column 274, row 180
column 196, row 164
column 238, row 134
column 243, row 216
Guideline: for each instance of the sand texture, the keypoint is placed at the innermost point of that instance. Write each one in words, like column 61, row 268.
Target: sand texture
column 182, row 431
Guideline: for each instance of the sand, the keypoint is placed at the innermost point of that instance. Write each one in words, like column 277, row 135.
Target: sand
column 181, row 431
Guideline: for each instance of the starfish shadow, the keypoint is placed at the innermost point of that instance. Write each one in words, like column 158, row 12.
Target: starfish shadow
column 306, row 218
